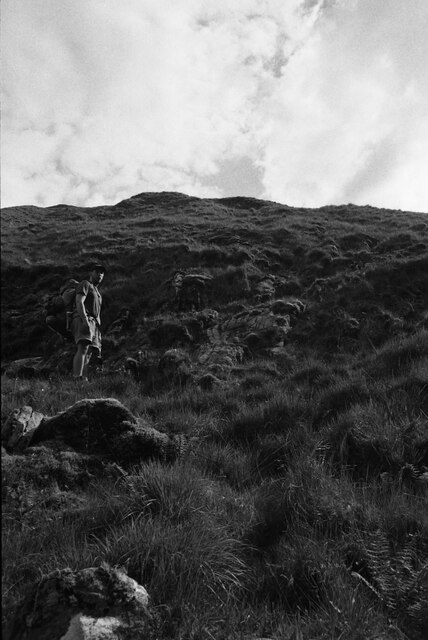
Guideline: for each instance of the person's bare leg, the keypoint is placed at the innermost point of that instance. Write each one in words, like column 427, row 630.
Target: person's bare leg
column 86, row 363
column 79, row 359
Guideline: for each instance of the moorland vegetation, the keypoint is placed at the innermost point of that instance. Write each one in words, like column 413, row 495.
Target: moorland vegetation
column 296, row 503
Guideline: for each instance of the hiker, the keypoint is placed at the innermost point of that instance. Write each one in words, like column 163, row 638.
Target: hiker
column 86, row 323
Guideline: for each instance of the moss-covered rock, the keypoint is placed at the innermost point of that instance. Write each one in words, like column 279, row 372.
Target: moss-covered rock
column 104, row 427
column 47, row 612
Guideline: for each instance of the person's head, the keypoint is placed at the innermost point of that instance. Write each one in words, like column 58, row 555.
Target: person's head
column 97, row 273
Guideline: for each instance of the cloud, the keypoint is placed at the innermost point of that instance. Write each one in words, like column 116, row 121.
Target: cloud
column 347, row 118
column 300, row 101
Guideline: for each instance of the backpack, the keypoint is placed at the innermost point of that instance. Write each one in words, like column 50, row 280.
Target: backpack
column 59, row 308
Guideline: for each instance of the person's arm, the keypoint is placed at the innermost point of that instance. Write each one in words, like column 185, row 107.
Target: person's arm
column 80, row 307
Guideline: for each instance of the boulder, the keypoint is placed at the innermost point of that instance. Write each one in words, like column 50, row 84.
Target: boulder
column 97, row 603
column 265, row 339
column 88, row 425
column 104, row 427
column 19, row 427
column 190, row 290
column 220, row 355
column 288, row 307
column 208, row 381
column 265, row 289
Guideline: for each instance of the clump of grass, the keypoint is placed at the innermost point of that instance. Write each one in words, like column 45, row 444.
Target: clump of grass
column 180, row 421
column 230, row 284
column 175, row 493
column 278, row 415
column 403, row 520
column 397, row 241
column 178, row 551
column 380, row 325
column 398, row 355
column 339, row 397
column 271, row 455
column 158, row 522
column 227, row 463
column 42, row 467
column 411, row 390
column 313, row 372
column 369, row 439
column 31, row 551
column 296, row 578
column 306, row 499
column 219, row 403
column 357, row 240
column 360, row 445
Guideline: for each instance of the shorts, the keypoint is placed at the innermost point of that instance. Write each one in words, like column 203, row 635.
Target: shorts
column 88, row 335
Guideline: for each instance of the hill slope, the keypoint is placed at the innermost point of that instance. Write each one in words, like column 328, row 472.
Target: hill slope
column 371, row 264
column 289, row 390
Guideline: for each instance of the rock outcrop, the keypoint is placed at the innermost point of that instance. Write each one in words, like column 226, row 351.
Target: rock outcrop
column 97, row 603
column 101, row 427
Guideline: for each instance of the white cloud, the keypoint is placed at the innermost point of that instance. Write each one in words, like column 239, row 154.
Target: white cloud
column 103, row 100
column 350, row 110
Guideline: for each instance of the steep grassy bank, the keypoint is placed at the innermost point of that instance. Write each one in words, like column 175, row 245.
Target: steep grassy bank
column 300, row 512
column 347, row 263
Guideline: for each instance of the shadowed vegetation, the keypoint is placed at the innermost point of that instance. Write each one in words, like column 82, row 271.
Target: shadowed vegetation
column 296, row 507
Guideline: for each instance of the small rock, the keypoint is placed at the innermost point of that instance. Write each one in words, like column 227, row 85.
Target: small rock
column 87, row 628
column 292, row 307
column 208, row 381
column 20, row 426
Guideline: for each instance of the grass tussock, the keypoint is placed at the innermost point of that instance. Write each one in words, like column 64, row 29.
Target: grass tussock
column 369, row 439
column 277, row 415
column 399, row 355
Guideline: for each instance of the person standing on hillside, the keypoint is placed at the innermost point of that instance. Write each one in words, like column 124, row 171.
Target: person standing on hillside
column 86, row 321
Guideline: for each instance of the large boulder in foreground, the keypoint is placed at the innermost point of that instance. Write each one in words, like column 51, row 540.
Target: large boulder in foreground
column 103, row 427
column 99, row 603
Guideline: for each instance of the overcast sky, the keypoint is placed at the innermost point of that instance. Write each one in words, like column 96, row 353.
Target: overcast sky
column 304, row 102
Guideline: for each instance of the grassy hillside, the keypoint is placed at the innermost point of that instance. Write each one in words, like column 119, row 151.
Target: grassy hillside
column 369, row 263
column 301, row 511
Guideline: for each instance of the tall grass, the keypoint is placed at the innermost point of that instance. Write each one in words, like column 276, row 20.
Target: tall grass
column 297, row 510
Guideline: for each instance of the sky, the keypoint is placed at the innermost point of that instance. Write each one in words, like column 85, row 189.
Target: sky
column 303, row 102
